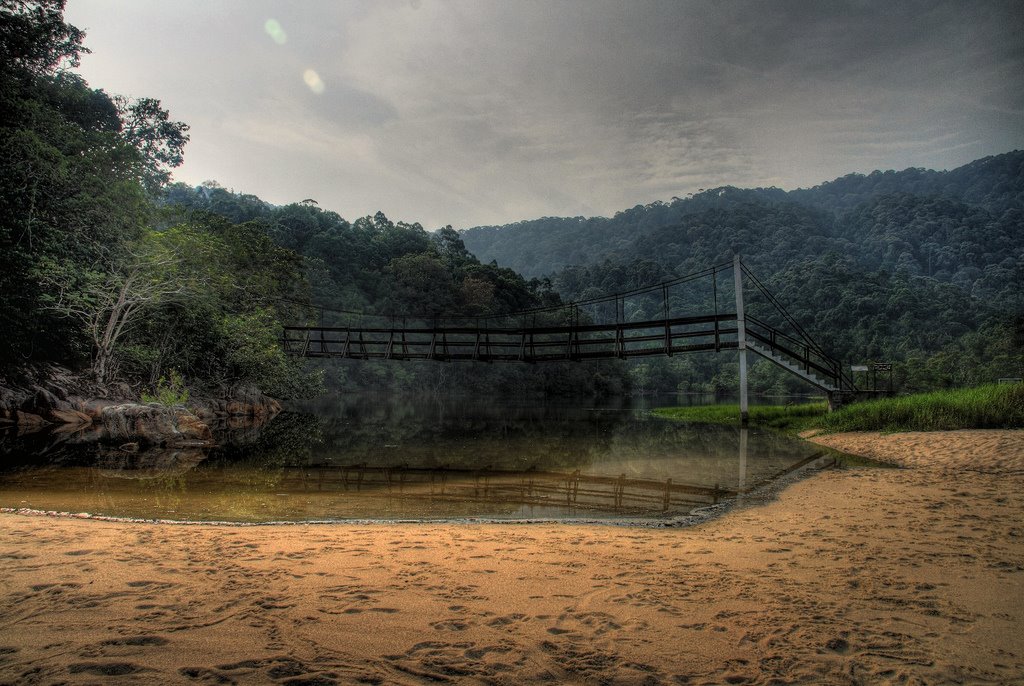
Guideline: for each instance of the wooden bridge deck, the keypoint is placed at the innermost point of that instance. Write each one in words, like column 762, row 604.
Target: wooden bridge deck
column 797, row 354
column 529, row 344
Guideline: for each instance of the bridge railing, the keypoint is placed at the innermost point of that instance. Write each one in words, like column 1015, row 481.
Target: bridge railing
column 804, row 353
column 529, row 344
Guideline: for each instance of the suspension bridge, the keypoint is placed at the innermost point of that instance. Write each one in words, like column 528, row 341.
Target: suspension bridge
column 586, row 330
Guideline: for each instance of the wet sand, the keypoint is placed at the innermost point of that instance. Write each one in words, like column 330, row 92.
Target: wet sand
column 912, row 575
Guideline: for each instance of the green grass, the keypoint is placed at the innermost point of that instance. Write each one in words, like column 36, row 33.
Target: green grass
column 984, row 407
column 788, row 418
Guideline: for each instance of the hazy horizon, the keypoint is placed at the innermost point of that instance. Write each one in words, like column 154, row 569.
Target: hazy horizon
column 477, row 113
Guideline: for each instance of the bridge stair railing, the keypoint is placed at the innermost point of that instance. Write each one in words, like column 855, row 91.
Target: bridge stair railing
column 794, row 355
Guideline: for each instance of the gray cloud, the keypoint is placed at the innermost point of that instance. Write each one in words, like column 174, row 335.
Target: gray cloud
column 482, row 112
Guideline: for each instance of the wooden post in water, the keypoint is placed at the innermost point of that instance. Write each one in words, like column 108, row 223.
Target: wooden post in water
column 741, row 337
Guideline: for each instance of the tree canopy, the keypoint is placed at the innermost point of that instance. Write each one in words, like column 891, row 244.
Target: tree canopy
column 91, row 271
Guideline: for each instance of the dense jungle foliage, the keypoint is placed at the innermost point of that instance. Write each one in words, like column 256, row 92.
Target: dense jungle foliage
column 374, row 266
column 918, row 267
column 104, row 265
column 92, row 272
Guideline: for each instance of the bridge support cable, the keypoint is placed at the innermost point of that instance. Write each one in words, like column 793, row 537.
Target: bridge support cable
column 782, row 309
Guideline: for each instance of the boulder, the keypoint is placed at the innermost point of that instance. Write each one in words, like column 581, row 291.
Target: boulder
column 69, row 417
column 242, row 401
column 154, row 424
column 93, row 408
column 193, row 431
column 29, row 419
column 246, row 401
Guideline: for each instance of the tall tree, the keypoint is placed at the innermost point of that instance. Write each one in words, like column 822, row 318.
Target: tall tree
column 71, row 176
column 147, row 127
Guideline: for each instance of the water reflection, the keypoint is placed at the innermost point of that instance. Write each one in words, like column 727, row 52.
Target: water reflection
column 397, row 458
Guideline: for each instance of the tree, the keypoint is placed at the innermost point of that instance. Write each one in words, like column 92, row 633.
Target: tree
column 35, row 39
column 110, row 302
column 147, row 127
column 73, row 176
column 420, row 285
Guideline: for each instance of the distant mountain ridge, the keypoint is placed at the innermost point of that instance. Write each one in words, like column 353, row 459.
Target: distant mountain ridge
column 921, row 267
column 543, row 246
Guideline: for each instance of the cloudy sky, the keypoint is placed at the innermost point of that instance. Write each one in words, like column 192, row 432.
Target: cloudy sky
column 474, row 112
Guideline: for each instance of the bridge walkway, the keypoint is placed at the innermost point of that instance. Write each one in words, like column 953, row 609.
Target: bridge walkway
column 795, row 351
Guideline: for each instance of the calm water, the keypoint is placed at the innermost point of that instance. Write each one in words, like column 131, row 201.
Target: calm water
column 374, row 457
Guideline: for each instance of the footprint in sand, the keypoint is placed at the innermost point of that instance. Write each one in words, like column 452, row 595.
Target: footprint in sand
column 505, row 620
column 136, row 641
column 106, row 668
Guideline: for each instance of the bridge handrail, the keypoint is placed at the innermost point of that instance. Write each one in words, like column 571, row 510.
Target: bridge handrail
column 825, row 364
column 827, row 368
column 842, row 379
column 811, row 347
column 517, row 331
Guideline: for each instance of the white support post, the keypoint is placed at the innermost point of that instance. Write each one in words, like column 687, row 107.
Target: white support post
column 741, row 338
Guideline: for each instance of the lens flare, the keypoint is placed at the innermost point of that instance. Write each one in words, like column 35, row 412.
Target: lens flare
column 274, row 30
column 313, row 80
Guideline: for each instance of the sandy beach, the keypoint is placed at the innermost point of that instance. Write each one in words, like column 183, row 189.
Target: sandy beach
column 908, row 575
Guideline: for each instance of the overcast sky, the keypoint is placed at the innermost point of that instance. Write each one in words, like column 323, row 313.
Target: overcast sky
column 476, row 112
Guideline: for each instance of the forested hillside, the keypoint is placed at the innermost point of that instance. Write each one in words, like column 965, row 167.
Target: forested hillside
column 920, row 267
column 93, row 274
column 375, row 266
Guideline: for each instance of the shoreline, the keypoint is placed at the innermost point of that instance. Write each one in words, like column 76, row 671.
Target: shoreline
column 854, row 575
column 758, row 496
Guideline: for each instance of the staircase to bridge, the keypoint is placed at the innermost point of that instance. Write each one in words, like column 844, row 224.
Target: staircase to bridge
column 583, row 330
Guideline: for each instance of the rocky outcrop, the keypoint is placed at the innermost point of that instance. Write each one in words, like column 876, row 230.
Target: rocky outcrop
column 53, row 398
column 155, row 424
column 238, row 402
column 47, row 395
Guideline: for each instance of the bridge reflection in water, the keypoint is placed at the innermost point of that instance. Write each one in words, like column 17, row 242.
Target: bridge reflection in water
column 578, row 491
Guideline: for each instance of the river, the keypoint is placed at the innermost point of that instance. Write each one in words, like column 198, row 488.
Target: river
column 372, row 457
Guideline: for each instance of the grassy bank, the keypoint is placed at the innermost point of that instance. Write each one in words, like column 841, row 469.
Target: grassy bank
column 788, row 418
column 984, row 407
